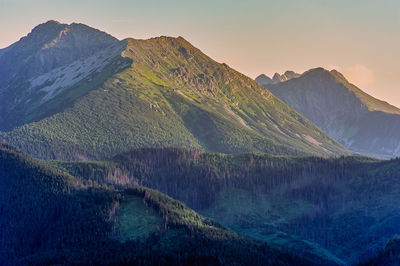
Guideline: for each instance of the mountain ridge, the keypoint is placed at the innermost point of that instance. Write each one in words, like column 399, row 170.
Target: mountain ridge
column 276, row 78
column 371, row 102
column 34, row 52
column 180, row 98
column 359, row 121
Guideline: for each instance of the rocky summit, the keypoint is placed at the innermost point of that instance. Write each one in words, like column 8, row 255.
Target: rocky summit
column 74, row 92
column 359, row 121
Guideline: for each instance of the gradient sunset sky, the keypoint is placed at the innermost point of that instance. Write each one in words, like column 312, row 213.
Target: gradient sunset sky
column 360, row 38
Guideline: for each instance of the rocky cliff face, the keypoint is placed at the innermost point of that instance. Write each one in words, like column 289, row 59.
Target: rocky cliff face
column 52, row 57
column 48, row 46
column 265, row 80
column 285, row 76
column 354, row 118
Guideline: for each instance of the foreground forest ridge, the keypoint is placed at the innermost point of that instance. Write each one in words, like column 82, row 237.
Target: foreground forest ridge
column 63, row 221
column 83, row 212
column 149, row 152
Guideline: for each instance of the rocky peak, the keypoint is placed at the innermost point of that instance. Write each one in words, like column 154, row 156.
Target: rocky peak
column 51, row 45
column 285, row 76
column 46, row 26
column 263, row 80
column 323, row 75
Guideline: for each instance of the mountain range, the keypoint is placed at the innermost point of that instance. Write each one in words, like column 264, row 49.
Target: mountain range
column 265, row 80
column 142, row 152
column 359, row 121
column 74, row 92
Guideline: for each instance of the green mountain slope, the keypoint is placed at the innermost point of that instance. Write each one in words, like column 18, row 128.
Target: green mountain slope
column 48, row 217
column 357, row 120
column 160, row 92
column 346, row 205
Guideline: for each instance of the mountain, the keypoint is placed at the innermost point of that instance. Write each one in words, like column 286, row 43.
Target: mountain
column 354, row 118
column 342, row 207
column 119, row 95
column 288, row 75
column 264, row 80
column 49, row 217
column 41, row 65
column 48, row 46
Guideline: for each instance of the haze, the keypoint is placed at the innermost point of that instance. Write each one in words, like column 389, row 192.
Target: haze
column 360, row 38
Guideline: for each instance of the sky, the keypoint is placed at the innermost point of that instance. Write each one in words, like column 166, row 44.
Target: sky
column 360, row 38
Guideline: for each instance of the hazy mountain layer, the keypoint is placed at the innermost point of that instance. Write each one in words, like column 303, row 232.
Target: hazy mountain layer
column 160, row 92
column 354, row 118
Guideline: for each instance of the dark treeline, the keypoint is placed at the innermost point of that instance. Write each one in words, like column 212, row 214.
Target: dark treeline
column 48, row 217
column 390, row 255
column 196, row 178
column 354, row 199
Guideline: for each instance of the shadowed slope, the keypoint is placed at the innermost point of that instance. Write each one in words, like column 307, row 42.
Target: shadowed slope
column 347, row 205
column 47, row 218
column 357, row 120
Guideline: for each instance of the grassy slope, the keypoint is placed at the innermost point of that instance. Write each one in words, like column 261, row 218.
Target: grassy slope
column 172, row 95
column 346, row 205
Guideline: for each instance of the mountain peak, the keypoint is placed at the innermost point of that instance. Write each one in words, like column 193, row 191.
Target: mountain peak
column 323, row 73
column 288, row 75
column 35, row 52
column 50, row 25
column 263, row 80
column 317, row 70
column 338, row 75
column 343, row 110
column 323, row 78
column 52, row 21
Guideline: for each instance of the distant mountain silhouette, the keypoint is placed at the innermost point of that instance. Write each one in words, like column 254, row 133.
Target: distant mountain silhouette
column 354, row 118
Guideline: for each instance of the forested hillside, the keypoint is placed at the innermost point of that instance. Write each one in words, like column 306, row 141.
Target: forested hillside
column 48, row 217
column 390, row 255
column 348, row 205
